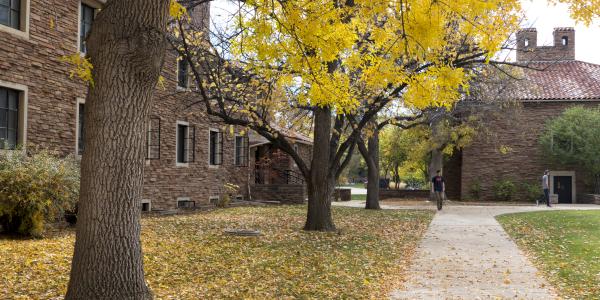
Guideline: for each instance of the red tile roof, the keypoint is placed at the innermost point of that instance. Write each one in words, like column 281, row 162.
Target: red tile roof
column 562, row 80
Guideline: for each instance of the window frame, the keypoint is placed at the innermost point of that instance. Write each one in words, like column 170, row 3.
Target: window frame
column 186, row 200
column 23, row 29
column 78, row 133
column 188, row 144
column 80, row 39
column 153, row 148
column 146, row 201
column 22, row 104
column 244, row 155
column 186, row 74
column 218, row 149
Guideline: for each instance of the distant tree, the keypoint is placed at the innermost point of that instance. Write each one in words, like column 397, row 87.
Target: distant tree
column 574, row 139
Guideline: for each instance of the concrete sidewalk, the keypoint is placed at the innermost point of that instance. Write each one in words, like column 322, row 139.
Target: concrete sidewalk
column 466, row 254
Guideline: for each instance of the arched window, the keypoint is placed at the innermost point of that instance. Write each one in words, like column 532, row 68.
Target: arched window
column 526, row 42
column 565, row 40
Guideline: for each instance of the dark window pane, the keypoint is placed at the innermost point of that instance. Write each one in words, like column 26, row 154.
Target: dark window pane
column 3, row 98
column 80, row 131
column 13, row 100
column 4, row 16
column 213, row 147
column 12, row 139
column 87, row 18
column 4, row 3
column 15, row 21
column 3, row 118
column 182, row 75
column 15, row 4
column 181, row 143
column 13, row 120
column 3, row 138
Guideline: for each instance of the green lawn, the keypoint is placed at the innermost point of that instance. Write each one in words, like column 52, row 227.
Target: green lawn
column 565, row 245
column 189, row 256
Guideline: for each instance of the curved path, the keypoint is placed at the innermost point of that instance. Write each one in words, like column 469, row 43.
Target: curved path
column 466, row 254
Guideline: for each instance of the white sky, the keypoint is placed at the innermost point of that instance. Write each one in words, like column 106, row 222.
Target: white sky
column 545, row 17
column 539, row 14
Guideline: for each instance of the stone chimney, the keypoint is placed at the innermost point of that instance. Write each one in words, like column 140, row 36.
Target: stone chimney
column 563, row 48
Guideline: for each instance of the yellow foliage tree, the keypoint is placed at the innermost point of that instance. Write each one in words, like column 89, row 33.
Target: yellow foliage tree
column 343, row 61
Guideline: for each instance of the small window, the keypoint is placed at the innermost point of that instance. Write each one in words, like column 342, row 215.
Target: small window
column 241, row 151
column 87, row 18
column 565, row 40
column 146, row 205
column 153, row 139
column 186, row 141
column 10, row 13
column 213, row 199
column 215, row 148
column 185, row 203
column 182, row 73
column 9, row 118
column 526, row 42
column 80, row 124
column 239, row 198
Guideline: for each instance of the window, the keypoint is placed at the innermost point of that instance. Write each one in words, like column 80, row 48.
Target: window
column 80, row 123
column 85, row 24
column 153, row 139
column 146, row 205
column 9, row 118
column 182, row 73
column 526, row 42
column 186, row 140
column 215, row 144
column 565, row 40
column 214, row 199
column 10, row 13
column 241, row 151
column 185, row 202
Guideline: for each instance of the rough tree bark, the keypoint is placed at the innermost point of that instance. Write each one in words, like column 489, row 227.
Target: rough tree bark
column 127, row 48
column 370, row 153
column 597, row 184
column 322, row 181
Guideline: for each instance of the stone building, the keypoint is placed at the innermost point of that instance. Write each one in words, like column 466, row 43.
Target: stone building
column 189, row 156
column 553, row 82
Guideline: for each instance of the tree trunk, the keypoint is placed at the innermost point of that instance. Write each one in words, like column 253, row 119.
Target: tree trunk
column 397, row 176
column 373, row 172
column 436, row 163
column 321, row 182
column 127, row 47
column 597, row 184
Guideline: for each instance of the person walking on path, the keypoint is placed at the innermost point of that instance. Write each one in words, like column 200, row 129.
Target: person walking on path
column 546, row 187
column 438, row 188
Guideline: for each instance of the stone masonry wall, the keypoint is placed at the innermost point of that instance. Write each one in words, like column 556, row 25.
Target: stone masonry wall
column 35, row 62
column 521, row 161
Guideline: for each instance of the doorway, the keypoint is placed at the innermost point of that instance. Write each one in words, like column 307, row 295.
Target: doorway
column 563, row 187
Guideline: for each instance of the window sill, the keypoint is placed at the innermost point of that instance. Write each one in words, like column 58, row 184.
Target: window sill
column 183, row 89
column 182, row 165
column 213, row 166
column 18, row 33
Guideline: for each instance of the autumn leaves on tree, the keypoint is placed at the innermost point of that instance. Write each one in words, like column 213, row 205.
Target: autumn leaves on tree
column 342, row 62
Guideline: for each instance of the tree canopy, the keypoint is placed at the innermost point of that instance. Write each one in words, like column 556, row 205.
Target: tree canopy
column 573, row 138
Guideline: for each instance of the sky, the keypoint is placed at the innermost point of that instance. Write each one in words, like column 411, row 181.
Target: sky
column 539, row 14
column 545, row 18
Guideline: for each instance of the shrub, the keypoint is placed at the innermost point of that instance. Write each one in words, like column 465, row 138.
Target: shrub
column 531, row 192
column 475, row 190
column 35, row 189
column 504, row 190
